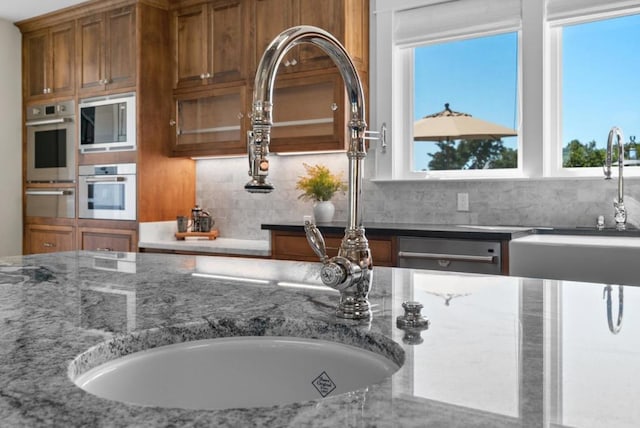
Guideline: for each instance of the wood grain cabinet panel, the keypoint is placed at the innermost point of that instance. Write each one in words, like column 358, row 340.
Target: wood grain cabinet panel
column 347, row 20
column 107, row 51
column 217, row 46
column 311, row 107
column 98, row 239
column 49, row 62
column 294, row 246
column 209, row 43
column 48, row 238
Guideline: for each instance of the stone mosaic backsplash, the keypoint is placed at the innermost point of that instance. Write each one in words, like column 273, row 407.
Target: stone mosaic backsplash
column 538, row 202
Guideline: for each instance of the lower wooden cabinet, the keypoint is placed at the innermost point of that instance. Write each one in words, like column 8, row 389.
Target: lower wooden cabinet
column 96, row 239
column 294, row 246
column 48, row 238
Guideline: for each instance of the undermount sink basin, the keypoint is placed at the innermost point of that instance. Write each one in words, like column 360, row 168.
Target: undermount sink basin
column 236, row 372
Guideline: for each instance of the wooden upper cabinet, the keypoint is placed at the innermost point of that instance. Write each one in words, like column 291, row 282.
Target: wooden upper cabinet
column 210, row 123
column 217, row 46
column 49, row 62
column 209, row 42
column 107, row 51
column 347, row 20
column 271, row 17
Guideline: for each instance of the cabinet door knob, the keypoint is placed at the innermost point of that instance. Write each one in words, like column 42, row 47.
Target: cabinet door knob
column 287, row 63
column 172, row 122
column 205, row 75
column 293, row 62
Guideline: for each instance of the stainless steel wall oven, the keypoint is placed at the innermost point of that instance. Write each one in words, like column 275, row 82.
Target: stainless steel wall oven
column 50, row 202
column 51, row 147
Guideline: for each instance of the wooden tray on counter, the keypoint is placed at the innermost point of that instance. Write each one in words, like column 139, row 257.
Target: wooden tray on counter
column 213, row 234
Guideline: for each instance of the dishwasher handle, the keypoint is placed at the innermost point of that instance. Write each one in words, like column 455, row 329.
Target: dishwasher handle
column 447, row 257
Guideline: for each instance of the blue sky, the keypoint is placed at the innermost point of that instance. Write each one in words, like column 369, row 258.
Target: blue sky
column 601, row 88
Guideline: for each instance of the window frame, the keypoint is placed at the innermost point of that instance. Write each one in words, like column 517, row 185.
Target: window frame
column 539, row 73
column 409, row 107
column 553, row 159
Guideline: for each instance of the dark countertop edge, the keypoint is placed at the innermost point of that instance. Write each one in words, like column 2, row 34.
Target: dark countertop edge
column 459, row 232
column 427, row 231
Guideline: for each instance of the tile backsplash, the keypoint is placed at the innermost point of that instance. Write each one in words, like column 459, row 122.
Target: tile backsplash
column 539, row 202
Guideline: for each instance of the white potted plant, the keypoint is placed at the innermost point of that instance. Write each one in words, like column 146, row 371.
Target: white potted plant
column 320, row 185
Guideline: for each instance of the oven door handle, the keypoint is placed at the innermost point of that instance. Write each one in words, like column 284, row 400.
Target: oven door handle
column 447, row 257
column 105, row 179
column 49, row 192
column 48, row 121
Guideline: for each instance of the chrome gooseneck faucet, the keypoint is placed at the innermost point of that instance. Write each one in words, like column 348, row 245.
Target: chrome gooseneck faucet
column 351, row 270
column 618, row 202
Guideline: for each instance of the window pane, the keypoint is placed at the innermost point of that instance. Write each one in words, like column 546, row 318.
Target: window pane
column 600, row 88
column 478, row 77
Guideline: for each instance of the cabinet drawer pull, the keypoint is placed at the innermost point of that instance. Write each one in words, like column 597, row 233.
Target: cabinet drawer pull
column 48, row 244
column 103, row 249
column 446, row 257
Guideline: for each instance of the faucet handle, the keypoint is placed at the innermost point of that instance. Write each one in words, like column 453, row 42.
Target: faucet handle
column 316, row 240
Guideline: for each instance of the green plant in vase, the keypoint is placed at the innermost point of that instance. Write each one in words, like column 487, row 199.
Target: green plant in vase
column 319, row 186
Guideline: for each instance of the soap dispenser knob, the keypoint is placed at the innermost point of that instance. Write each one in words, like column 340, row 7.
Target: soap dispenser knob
column 412, row 317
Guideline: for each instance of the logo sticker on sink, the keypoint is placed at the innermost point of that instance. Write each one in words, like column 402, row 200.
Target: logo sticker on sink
column 324, row 384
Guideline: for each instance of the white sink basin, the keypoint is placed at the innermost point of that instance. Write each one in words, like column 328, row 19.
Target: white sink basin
column 234, row 372
column 601, row 259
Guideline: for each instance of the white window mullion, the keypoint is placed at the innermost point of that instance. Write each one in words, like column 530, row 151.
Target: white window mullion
column 532, row 73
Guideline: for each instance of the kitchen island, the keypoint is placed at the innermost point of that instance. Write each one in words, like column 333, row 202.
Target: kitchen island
column 500, row 351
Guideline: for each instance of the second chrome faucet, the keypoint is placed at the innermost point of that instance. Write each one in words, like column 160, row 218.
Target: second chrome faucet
column 620, row 214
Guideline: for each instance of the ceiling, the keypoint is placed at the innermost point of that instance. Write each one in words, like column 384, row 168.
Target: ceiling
column 17, row 10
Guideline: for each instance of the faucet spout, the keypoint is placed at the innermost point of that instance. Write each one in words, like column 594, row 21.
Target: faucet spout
column 618, row 203
column 350, row 271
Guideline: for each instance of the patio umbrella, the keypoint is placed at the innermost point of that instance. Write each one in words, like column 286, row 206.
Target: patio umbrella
column 453, row 125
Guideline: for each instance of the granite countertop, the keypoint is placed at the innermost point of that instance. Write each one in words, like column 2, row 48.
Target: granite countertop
column 161, row 236
column 500, row 351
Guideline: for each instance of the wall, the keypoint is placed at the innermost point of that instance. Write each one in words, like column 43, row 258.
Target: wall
column 541, row 202
column 10, row 140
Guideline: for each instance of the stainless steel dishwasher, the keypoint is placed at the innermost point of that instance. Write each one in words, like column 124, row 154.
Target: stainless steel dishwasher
column 459, row 255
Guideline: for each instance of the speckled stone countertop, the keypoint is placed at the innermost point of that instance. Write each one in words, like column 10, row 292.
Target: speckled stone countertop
column 160, row 235
column 500, row 351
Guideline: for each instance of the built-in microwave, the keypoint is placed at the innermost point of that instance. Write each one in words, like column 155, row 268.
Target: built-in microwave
column 51, row 143
column 107, row 123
